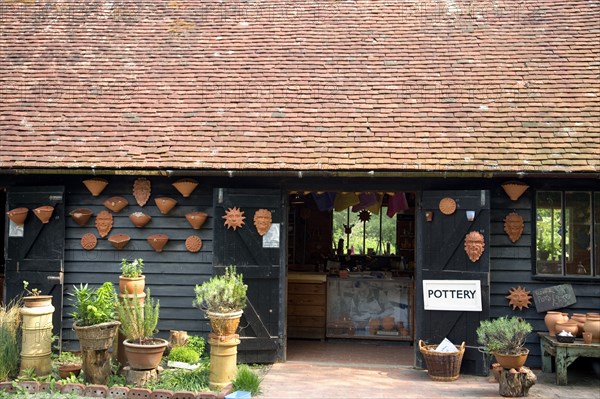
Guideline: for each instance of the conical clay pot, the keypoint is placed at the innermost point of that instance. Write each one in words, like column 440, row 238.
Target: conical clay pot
column 116, row 204
column 44, row 213
column 158, row 241
column 119, row 241
column 514, row 189
column 185, row 186
column 165, row 204
column 95, row 185
column 81, row 216
column 196, row 219
column 140, row 219
column 18, row 215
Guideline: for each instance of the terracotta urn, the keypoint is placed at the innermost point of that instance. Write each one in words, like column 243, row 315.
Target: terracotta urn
column 44, row 213
column 95, row 185
column 119, row 241
column 592, row 325
column 196, row 219
column 568, row 326
column 81, row 216
column 139, row 219
column 116, row 204
column 132, row 286
column 165, row 204
column 158, row 241
column 18, row 215
column 185, row 186
column 579, row 318
column 550, row 319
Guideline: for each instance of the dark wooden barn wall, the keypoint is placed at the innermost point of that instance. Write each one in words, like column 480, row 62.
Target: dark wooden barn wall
column 511, row 265
column 171, row 274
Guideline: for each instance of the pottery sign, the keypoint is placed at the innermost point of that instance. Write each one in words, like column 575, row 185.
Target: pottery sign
column 453, row 295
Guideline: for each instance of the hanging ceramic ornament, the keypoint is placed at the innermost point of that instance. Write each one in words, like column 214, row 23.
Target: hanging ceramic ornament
column 116, row 204
column 263, row 220
column 18, row 215
column 519, row 298
column 514, row 189
column 513, row 226
column 185, row 186
column 447, row 206
column 234, row 218
column 474, row 245
column 104, row 222
column 193, row 244
column 81, row 215
column 95, row 185
column 88, row 241
column 141, row 190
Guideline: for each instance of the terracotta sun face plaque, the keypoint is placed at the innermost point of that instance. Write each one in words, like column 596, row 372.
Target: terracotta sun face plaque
column 519, row 298
column 234, row 218
column 141, row 190
column 263, row 220
column 474, row 245
column 104, row 222
column 513, row 226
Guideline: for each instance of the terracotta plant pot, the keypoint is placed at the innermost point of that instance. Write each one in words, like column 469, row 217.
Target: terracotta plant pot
column 196, row 219
column 579, row 318
column 185, row 186
column 119, row 241
column 132, row 285
column 165, row 204
column 18, row 215
column 568, row 326
column 96, row 185
column 66, row 370
column 81, row 216
column 512, row 361
column 147, row 356
column 116, row 204
column 44, row 213
column 514, row 189
column 592, row 325
column 550, row 319
column 139, row 219
column 224, row 324
column 37, row 301
column 158, row 241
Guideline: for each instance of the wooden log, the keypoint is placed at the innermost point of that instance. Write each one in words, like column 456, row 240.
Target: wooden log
column 516, row 383
column 96, row 365
column 139, row 378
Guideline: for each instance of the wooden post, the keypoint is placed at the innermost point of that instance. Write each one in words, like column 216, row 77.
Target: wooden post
column 96, row 365
column 516, row 383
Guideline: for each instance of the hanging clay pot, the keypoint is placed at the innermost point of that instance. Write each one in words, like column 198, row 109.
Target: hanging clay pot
column 89, row 241
column 96, row 185
column 139, row 219
column 196, row 219
column 158, row 241
column 514, row 189
column 119, row 241
column 18, row 215
column 141, row 190
column 185, row 186
column 44, row 213
column 104, row 222
column 81, row 215
column 193, row 244
column 115, row 204
column 165, row 204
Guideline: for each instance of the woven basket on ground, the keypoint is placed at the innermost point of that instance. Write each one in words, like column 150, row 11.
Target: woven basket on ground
column 442, row 366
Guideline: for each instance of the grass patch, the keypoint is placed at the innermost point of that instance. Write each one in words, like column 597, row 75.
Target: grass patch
column 10, row 318
column 247, row 380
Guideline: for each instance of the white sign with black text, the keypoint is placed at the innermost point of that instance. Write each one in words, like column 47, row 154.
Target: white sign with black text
column 457, row 295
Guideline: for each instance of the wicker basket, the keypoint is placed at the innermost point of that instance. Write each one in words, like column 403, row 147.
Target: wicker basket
column 442, row 366
column 98, row 336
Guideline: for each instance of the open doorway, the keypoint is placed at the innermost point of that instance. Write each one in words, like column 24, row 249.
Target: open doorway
column 350, row 269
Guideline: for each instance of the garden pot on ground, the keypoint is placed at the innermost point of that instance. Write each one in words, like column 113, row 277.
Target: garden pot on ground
column 145, row 356
column 66, row 370
column 512, row 361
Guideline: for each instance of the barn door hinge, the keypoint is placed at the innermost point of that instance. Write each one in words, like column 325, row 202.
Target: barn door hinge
column 57, row 279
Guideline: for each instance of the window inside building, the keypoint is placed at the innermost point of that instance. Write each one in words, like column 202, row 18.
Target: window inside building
column 364, row 233
column 567, row 228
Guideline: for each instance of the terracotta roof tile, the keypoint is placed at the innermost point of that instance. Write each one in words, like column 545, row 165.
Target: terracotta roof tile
column 508, row 85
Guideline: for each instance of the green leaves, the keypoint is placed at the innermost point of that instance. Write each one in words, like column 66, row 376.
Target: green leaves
column 138, row 322
column 504, row 335
column 222, row 294
column 93, row 306
column 132, row 269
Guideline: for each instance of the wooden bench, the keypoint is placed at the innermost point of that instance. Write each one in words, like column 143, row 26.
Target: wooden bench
column 564, row 354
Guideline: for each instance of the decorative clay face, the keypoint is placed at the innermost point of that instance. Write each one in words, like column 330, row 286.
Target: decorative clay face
column 513, row 226
column 234, row 218
column 519, row 298
column 141, row 190
column 474, row 245
column 104, row 222
column 262, row 220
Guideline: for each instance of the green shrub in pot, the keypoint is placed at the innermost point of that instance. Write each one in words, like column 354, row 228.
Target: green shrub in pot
column 93, row 305
column 222, row 294
column 503, row 335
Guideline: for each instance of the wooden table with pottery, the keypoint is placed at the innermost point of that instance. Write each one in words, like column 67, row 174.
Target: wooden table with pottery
column 564, row 354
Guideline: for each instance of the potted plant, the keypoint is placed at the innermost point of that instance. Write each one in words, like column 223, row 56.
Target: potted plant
column 68, row 363
column 34, row 297
column 138, row 324
column 131, row 280
column 96, row 327
column 505, row 338
column 223, row 298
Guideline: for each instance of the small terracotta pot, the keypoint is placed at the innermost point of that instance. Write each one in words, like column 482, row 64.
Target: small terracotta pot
column 185, row 186
column 66, row 370
column 165, row 204
column 587, row 337
column 44, row 213
column 592, row 326
column 139, row 219
column 18, row 215
column 196, row 219
column 129, row 286
column 95, row 185
column 119, row 241
column 512, row 361
column 158, row 241
column 116, row 204
column 81, row 216
column 568, row 326
column 37, row 301
column 514, row 189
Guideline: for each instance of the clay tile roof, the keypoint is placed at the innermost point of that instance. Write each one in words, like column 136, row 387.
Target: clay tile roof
column 426, row 85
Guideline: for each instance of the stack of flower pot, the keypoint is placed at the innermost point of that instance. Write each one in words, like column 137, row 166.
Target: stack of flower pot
column 37, row 334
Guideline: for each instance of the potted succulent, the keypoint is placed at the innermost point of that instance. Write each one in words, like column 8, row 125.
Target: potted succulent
column 131, row 280
column 223, row 299
column 505, row 338
column 138, row 324
column 96, row 327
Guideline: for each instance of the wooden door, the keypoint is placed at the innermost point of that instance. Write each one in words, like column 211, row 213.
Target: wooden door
column 260, row 261
column 36, row 253
column 442, row 257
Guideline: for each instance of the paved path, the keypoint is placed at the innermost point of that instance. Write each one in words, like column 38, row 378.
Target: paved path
column 312, row 380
